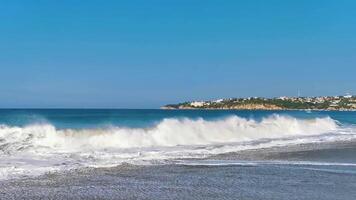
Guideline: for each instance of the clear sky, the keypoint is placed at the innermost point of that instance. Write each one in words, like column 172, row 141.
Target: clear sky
column 143, row 54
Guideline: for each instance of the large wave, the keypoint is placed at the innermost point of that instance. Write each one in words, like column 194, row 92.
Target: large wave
column 169, row 132
column 43, row 147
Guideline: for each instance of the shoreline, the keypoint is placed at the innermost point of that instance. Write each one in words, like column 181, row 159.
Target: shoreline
column 202, row 181
column 338, row 103
column 293, row 152
column 283, row 109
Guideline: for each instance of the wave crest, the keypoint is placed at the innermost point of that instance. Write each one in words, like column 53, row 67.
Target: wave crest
column 169, row 132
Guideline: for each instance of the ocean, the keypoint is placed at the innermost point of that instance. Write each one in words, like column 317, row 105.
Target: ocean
column 177, row 154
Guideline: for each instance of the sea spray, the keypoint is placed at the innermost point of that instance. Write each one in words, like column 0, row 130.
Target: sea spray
column 41, row 147
column 169, row 132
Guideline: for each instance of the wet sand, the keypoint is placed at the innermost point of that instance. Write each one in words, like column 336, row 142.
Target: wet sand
column 341, row 151
column 187, row 182
column 176, row 181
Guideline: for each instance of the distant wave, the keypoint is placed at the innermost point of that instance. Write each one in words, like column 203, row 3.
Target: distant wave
column 38, row 148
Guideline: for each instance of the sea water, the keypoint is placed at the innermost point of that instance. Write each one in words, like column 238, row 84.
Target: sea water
column 202, row 143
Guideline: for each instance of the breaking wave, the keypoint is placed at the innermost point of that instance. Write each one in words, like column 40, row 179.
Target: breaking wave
column 42, row 147
column 169, row 132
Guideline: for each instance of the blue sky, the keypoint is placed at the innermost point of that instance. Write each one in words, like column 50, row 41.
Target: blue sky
column 143, row 54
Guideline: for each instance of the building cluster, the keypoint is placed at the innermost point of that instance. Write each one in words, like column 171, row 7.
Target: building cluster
column 333, row 101
column 348, row 101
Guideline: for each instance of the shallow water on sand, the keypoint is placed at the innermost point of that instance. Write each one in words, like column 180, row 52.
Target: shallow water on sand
column 272, row 173
column 191, row 182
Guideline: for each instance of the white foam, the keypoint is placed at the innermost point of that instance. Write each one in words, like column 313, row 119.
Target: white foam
column 42, row 147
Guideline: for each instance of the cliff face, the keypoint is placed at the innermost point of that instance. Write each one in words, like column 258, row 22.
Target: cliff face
column 168, row 108
column 237, row 107
column 257, row 107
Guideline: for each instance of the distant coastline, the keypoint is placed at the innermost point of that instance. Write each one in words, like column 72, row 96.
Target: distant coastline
column 328, row 103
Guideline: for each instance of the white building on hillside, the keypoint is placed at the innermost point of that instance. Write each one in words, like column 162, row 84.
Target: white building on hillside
column 219, row 100
column 197, row 103
column 348, row 96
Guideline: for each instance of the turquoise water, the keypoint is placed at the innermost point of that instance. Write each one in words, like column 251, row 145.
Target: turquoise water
column 93, row 118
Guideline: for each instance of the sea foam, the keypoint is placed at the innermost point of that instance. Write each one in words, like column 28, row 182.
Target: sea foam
column 169, row 132
column 38, row 148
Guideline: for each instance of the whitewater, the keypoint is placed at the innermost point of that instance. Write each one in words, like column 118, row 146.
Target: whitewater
column 40, row 147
